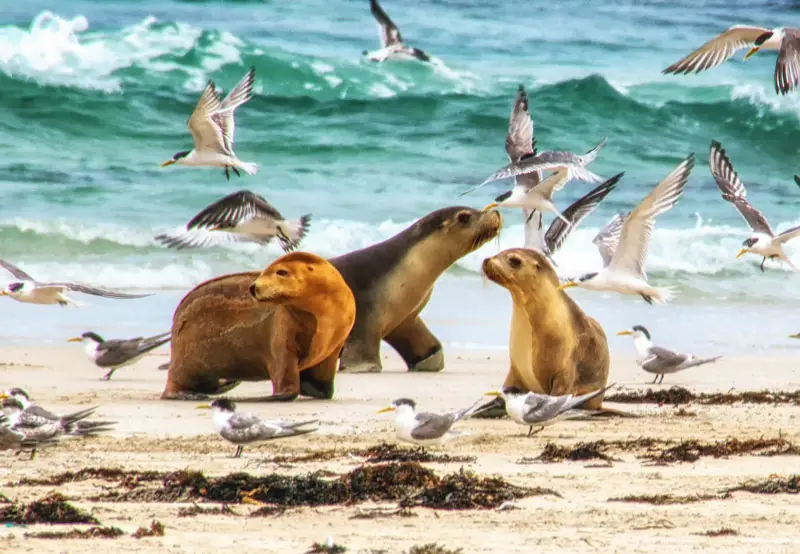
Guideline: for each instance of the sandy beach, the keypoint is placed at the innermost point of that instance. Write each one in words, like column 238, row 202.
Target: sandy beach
column 170, row 436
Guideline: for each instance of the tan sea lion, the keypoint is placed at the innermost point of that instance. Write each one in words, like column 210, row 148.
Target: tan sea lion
column 287, row 325
column 554, row 347
column 393, row 281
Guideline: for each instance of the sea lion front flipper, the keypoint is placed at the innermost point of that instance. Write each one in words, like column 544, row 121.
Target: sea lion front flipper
column 362, row 349
column 317, row 381
column 419, row 348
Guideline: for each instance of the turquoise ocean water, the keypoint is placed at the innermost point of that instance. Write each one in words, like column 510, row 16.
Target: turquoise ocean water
column 95, row 94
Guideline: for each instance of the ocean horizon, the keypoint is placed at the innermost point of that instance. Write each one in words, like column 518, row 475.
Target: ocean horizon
column 95, row 95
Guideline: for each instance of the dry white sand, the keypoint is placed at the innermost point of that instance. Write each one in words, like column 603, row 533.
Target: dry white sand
column 155, row 434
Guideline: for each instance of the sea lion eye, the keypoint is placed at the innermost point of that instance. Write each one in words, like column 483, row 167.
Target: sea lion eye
column 514, row 262
column 464, row 217
column 282, row 273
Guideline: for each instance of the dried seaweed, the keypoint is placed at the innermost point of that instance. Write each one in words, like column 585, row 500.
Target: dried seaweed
column 378, row 513
column 127, row 477
column 156, row 529
column 581, row 451
column 196, row 510
column 433, row 548
column 90, row 533
column 327, row 548
column 664, row 499
column 693, row 450
column 385, row 452
column 379, row 482
column 680, row 395
column 268, row 511
column 721, row 532
column 775, row 484
column 53, row 508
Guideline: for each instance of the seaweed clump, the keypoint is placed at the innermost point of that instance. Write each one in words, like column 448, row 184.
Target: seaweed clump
column 156, row 529
column 433, row 548
column 663, row 499
column 90, row 533
column 581, row 451
column 385, row 452
column 693, row 450
column 53, row 508
column 773, row 485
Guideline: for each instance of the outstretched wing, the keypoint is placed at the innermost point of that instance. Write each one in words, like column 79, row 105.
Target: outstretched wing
column 232, row 210
column 607, row 239
column 519, row 140
column 204, row 238
column 206, row 132
column 15, row 271
column 733, row 189
column 223, row 117
column 718, row 49
column 389, row 32
column 558, row 231
column 787, row 68
column 638, row 226
column 95, row 291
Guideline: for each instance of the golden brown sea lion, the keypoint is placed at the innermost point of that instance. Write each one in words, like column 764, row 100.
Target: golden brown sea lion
column 554, row 347
column 287, row 325
column 392, row 282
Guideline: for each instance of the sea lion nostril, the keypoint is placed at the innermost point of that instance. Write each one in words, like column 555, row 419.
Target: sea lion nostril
column 253, row 290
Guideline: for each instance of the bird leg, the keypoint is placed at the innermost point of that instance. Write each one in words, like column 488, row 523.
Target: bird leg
column 647, row 299
column 239, row 450
column 655, row 379
column 236, row 171
column 108, row 375
column 227, row 173
column 661, row 380
column 763, row 261
column 530, row 430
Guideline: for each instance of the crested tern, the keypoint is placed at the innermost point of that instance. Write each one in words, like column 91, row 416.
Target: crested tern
column 658, row 360
column 27, row 289
column 424, row 428
column 212, row 127
column 625, row 272
column 392, row 45
column 717, row 50
column 241, row 428
column 531, row 408
column 242, row 216
column 113, row 354
column 763, row 241
column 574, row 164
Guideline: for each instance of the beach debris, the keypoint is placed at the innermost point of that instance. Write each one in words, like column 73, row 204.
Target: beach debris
column 775, row 484
column 196, row 510
column 507, row 505
column 377, row 513
column 721, row 532
column 90, row 533
column 693, row 450
column 582, row 451
column 433, row 548
column 329, row 547
column 666, row 499
column 53, row 508
column 156, row 529
column 679, row 395
column 386, row 452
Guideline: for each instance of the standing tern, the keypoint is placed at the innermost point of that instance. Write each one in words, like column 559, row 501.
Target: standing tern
column 116, row 353
column 242, row 216
column 658, row 360
column 245, row 428
column 424, row 428
column 763, row 242
column 625, row 272
column 212, row 127
column 392, row 45
column 531, row 408
column 717, row 50
column 29, row 290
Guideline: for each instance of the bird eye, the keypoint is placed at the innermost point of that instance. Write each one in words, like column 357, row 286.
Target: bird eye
column 464, row 217
column 514, row 262
column 282, row 273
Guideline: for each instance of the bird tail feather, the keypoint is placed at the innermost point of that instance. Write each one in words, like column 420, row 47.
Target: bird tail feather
column 590, row 156
column 249, row 168
column 701, row 361
column 663, row 295
column 75, row 417
column 469, row 411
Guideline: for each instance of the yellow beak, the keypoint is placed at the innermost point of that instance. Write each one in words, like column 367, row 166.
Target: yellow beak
column 625, row 332
column 4, row 395
column 795, row 336
column 741, row 253
column 167, row 163
column 492, row 393
column 203, row 407
column 751, row 52
column 3, row 292
column 489, row 207
column 386, row 409
column 75, row 339
column 567, row 285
